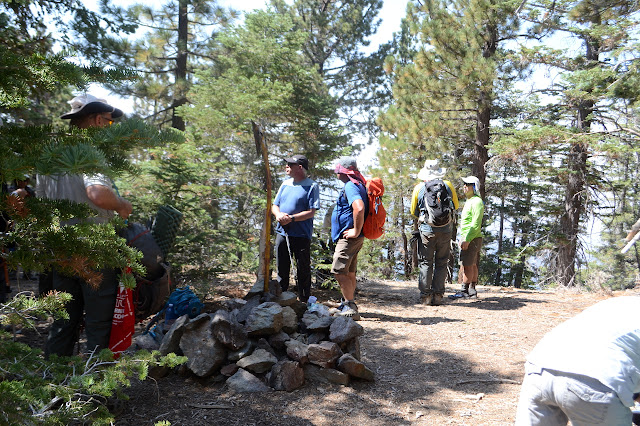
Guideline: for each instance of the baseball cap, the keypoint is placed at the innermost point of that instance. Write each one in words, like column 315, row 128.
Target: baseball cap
column 298, row 159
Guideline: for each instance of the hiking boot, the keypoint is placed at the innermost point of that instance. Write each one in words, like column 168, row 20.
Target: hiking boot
column 350, row 309
column 426, row 299
column 459, row 295
column 472, row 292
column 437, row 300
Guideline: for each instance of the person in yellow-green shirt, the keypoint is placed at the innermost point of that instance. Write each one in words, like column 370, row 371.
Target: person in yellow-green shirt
column 433, row 202
column 470, row 237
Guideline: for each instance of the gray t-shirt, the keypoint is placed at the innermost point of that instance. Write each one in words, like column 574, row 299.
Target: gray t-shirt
column 74, row 188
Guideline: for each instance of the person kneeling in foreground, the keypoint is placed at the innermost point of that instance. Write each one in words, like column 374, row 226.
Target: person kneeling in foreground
column 586, row 370
column 347, row 220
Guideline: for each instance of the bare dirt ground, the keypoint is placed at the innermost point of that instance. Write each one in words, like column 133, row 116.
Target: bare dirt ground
column 459, row 364
column 456, row 364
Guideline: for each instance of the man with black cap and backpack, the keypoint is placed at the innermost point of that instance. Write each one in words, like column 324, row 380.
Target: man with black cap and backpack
column 294, row 207
column 95, row 191
column 433, row 203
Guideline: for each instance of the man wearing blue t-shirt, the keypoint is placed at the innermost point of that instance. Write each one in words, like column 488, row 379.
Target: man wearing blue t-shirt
column 347, row 221
column 294, row 207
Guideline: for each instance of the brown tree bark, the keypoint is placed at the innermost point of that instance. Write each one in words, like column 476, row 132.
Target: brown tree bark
column 179, row 96
column 575, row 196
column 525, row 229
column 498, row 277
column 483, row 117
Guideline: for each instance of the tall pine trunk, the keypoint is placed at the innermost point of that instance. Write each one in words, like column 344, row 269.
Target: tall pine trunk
column 574, row 199
column 406, row 250
column 498, row 276
column 179, row 97
column 526, row 227
column 483, row 116
column 480, row 153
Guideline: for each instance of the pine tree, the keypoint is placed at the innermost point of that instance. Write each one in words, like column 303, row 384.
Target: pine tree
column 396, row 163
column 57, row 390
column 338, row 34
column 447, row 96
column 261, row 77
column 45, row 149
column 590, row 81
column 450, row 75
column 176, row 38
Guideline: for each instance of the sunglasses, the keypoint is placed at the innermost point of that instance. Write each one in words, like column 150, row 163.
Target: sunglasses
column 107, row 119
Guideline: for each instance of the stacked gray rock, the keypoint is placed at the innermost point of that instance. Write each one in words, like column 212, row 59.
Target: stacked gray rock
column 268, row 343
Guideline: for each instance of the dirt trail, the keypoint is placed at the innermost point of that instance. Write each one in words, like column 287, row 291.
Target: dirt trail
column 460, row 364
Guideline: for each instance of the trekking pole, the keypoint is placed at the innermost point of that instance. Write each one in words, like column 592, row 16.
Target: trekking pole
column 631, row 243
column 294, row 266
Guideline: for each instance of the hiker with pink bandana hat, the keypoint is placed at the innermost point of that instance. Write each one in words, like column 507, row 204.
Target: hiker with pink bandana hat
column 347, row 220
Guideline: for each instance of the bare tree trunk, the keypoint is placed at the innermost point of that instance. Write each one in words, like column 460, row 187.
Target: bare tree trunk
column 406, row 258
column 483, row 117
column 573, row 209
column 179, row 95
column 498, row 277
column 574, row 200
column 525, row 228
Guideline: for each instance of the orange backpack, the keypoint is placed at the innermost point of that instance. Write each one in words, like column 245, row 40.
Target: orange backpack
column 374, row 222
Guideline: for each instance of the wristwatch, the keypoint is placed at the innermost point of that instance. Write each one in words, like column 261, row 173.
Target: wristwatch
column 293, row 218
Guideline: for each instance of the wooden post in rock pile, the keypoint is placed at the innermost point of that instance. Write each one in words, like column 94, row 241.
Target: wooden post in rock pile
column 265, row 237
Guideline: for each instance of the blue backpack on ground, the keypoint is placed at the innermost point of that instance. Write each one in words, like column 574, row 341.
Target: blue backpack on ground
column 183, row 301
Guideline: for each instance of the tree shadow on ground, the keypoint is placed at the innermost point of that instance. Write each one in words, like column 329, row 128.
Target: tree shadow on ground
column 496, row 303
column 389, row 292
column 425, row 320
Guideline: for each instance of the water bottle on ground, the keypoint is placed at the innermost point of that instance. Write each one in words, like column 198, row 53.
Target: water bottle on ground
column 169, row 317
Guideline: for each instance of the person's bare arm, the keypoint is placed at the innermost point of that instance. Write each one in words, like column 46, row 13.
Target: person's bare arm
column 285, row 218
column 304, row 215
column 282, row 218
column 104, row 198
column 634, row 230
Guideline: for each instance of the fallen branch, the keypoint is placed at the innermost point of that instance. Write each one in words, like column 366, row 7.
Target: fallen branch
column 220, row 407
column 514, row 382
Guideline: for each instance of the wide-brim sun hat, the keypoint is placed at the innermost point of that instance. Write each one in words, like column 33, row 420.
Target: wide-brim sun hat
column 431, row 171
column 84, row 105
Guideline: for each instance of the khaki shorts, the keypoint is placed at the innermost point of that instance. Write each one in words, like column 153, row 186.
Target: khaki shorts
column 345, row 257
column 471, row 256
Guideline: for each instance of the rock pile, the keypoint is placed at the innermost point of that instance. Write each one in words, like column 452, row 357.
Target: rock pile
column 267, row 342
